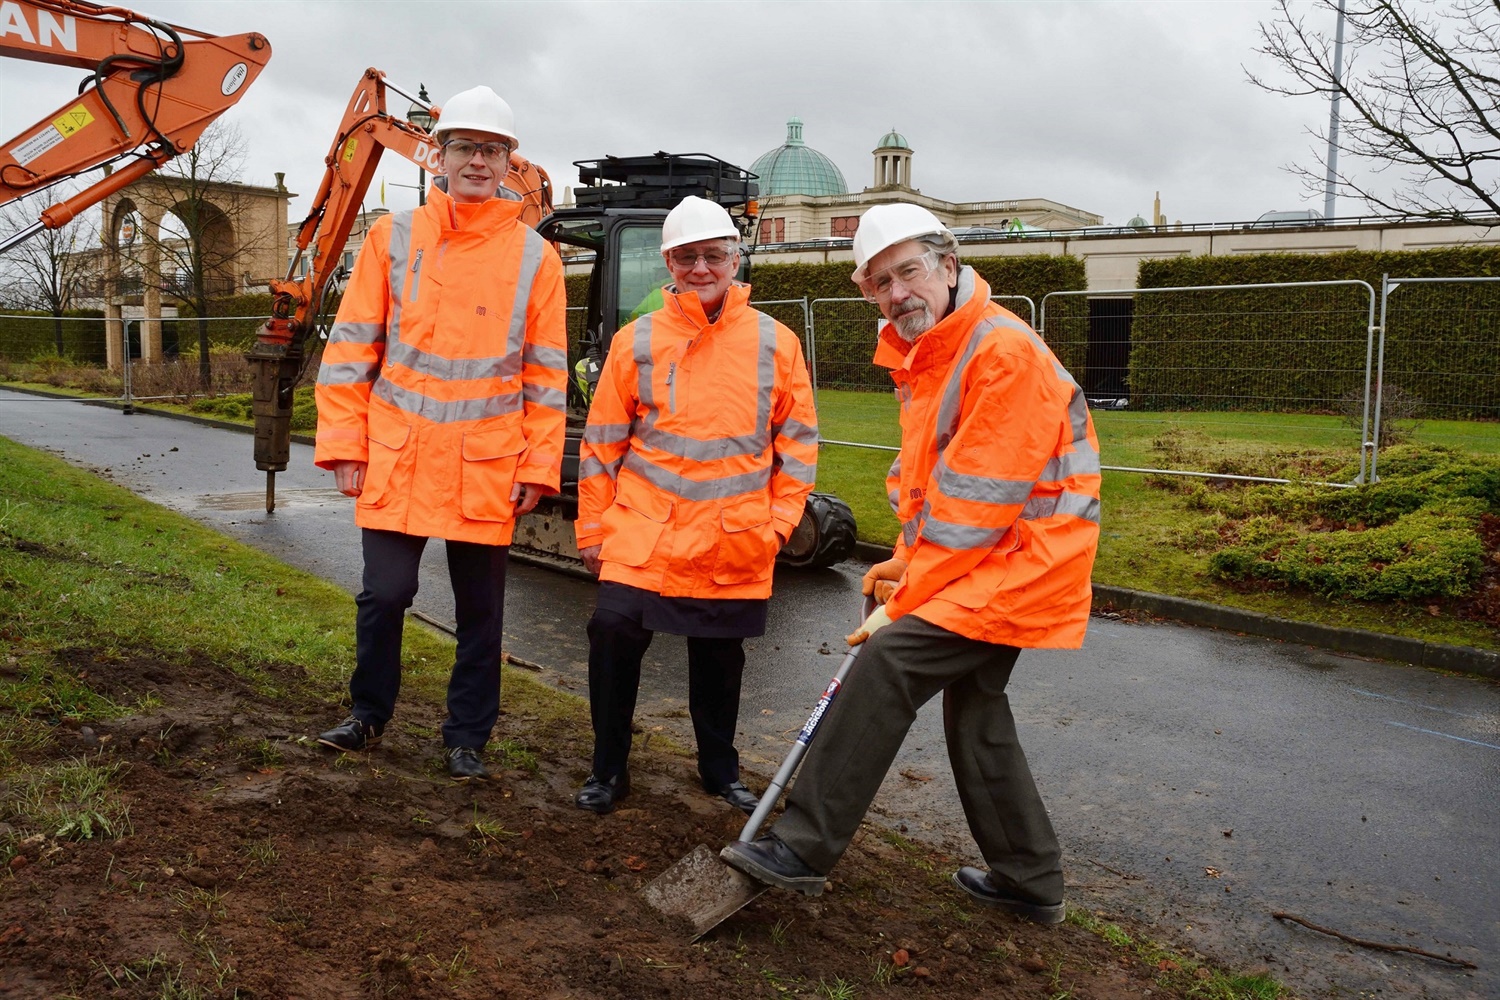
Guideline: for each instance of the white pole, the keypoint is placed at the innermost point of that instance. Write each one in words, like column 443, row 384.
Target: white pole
column 1333, row 116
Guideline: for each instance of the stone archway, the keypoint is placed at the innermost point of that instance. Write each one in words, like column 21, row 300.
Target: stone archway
column 235, row 238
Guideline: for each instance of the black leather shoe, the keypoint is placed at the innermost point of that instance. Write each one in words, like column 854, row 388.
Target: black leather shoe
column 464, row 764
column 737, row 795
column 351, row 734
column 600, row 796
column 978, row 885
column 772, row 862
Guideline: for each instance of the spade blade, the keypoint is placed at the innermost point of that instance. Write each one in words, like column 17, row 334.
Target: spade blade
column 702, row 890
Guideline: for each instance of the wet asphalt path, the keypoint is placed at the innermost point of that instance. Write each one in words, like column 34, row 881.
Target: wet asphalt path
column 1198, row 779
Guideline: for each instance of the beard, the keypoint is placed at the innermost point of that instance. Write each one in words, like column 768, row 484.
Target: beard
column 913, row 318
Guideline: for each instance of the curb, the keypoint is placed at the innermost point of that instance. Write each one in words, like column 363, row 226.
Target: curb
column 1441, row 656
column 1378, row 645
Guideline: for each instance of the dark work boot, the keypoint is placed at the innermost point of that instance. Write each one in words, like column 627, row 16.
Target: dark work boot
column 768, row 860
column 982, row 890
column 351, row 734
column 465, row 764
column 600, row 796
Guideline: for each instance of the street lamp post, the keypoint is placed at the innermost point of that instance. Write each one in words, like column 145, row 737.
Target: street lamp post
column 419, row 116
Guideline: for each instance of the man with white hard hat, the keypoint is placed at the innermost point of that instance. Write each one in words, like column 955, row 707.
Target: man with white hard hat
column 997, row 491
column 441, row 407
column 698, row 457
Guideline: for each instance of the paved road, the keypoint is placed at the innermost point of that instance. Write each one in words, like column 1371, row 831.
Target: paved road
column 1198, row 779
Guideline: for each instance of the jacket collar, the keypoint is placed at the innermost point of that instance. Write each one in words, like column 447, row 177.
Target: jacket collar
column 938, row 345
column 487, row 216
column 688, row 306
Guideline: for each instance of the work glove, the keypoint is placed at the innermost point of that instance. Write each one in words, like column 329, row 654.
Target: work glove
column 878, row 619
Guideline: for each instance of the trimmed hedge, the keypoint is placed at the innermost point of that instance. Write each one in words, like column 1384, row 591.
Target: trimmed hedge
column 23, row 338
column 1303, row 350
column 226, row 328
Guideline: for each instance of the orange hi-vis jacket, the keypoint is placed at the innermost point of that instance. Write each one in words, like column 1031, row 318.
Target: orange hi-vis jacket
column 446, row 370
column 997, row 482
column 700, row 450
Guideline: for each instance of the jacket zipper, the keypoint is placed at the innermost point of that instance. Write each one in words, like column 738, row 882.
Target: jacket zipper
column 671, row 388
column 416, row 275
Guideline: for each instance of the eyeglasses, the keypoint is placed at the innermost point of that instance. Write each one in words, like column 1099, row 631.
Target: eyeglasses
column 685, row 258
column 909, row 272
column 463, row 150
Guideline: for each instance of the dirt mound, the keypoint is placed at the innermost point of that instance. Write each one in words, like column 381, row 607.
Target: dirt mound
column 262, row 866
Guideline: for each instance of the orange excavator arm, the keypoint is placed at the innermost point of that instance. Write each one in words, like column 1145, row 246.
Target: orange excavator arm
column 281, row 354
column 154, row 87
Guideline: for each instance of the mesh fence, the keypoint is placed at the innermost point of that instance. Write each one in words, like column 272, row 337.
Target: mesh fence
column 844, row 333
column 1440, row 357
column 1231, row 380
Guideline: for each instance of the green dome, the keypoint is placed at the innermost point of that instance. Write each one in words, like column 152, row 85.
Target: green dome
column 796, row 168
column 892, row 140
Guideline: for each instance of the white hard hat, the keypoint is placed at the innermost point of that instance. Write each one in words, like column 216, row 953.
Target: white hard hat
column 886, row 225
column 481, row 109
column 696, row 219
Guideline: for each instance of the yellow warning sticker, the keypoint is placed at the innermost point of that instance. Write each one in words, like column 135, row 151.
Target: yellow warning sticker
column 349, row 148
column 72, row 120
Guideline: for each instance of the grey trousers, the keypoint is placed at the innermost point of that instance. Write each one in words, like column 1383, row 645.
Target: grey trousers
column 901, row 668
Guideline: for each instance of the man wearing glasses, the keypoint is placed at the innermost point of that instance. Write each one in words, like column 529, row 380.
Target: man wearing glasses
column 997, row 491
column 441, row 406
column 698, row 456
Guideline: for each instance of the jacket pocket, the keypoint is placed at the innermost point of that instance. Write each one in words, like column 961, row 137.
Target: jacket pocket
column 633, row 524
column 747, row 542
column 490, row 458
column 387, row 439
column 988, row 585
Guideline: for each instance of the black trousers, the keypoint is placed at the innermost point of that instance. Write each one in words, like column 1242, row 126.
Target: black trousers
column 901, row 667
column 715, row 666
column 477, row 573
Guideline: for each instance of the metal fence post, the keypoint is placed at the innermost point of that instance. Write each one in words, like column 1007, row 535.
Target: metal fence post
column 1370, row 436
column 129, row 406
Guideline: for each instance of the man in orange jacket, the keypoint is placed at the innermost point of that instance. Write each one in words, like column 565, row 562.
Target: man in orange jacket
column 997, row 490
column 698, row 457
column 441, row 405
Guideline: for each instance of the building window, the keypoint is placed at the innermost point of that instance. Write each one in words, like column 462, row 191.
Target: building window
column 348, row 260
column 772, row 231
column 843, row 225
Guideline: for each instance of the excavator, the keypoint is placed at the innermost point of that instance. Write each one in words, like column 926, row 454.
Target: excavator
column 621, row 205
column 154, row 87
column 151, row 90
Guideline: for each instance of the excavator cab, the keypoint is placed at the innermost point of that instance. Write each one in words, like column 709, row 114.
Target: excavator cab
column 621, row 205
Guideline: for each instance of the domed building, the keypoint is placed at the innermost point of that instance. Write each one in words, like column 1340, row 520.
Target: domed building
column 804, row 198
column 794, row 167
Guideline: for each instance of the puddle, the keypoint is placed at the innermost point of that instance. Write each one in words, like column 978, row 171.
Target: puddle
column 256, row 500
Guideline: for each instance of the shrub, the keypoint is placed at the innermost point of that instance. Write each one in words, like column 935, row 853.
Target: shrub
column 1432, row 552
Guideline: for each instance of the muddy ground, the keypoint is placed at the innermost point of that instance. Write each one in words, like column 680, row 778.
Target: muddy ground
column 262, row 866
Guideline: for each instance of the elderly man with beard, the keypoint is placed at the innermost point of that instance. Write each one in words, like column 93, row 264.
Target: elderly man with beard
column 997, row 491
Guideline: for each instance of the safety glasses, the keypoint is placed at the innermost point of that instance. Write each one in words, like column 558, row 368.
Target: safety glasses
column 463, row 150
column 909, row 272
column 687, row 259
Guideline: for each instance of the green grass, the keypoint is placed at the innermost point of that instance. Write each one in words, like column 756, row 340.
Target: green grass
column 88, row 567
column 1177, row 969
column 1151, row 537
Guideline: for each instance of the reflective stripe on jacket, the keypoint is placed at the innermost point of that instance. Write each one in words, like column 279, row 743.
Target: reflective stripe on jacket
column 446, row 370
column 700, row 450
column 997, row 482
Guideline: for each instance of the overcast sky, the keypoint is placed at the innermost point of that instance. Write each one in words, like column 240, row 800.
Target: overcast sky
column 1097, row 105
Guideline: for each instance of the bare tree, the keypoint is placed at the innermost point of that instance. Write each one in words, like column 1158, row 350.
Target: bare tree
column 49, row 271
column 209, row 231
column 1420, row 97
